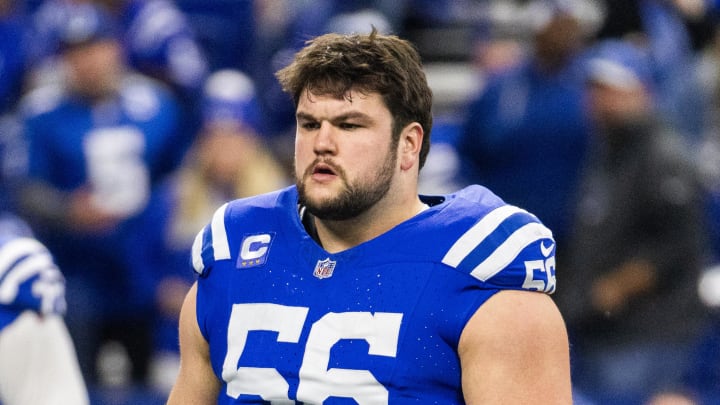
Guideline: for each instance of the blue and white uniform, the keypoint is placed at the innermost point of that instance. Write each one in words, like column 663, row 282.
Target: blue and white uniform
column 119, row 146
column 29, row 279
column 38, row 363
column 118, row 149
column 378, row 323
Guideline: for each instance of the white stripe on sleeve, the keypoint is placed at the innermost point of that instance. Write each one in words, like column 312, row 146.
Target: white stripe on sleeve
column 14, row 250
column 475, row 235
column 221, row 246
column 509, row 249
column 196, row 252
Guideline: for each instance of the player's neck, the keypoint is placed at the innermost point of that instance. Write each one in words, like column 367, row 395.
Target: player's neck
column 337, row 236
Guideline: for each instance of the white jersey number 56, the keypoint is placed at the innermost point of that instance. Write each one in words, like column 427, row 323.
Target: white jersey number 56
column 317, row 381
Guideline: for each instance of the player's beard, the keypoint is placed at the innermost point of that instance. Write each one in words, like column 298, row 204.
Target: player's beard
column 353, row 199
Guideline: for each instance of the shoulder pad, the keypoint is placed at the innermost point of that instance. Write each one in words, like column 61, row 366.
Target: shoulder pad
column 29, row 278
column 505, row 249
column 211, row 243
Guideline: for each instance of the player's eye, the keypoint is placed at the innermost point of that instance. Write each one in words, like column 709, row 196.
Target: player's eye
column 310, row 125
column 349, row 126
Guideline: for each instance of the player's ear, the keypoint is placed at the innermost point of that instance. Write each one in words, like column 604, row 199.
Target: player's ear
column 409, row 145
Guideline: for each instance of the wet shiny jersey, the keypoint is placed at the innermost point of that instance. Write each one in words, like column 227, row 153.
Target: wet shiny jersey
column 288, row 322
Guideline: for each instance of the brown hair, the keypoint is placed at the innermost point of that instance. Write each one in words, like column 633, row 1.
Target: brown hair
column 335, row 64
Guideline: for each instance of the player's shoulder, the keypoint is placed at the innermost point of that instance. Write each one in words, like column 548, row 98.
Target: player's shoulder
column 244, row 216
column 474, row 197
column 499, row 244
column 457, row 211
column 29, row 277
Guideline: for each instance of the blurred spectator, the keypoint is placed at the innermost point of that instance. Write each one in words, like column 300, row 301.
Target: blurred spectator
column 12, row 159
column 639, row 241
column 440, row 172
column 97, row 145
column 228, row 160
column 35, row 346
column 156, row 37
column 700, row 18
column 486, row 50
column 709, row 150
column 525, row 135
column 160, row 42
column 13, row 53
column 226, row 30
column 705, row 375
column 39, row 363
column 660, row 27
column 157, row 41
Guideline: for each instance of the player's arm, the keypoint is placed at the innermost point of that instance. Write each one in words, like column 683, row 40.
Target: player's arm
column 514, row 350
column 196, row 383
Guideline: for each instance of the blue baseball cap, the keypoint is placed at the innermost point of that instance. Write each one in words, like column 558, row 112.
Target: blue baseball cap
column 84, row 24
column 229, row 95
column 619, row 64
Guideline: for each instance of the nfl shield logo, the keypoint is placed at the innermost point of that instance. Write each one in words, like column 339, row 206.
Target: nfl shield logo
column 324, row 268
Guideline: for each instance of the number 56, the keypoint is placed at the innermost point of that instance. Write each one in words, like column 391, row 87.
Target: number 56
column 317, row 382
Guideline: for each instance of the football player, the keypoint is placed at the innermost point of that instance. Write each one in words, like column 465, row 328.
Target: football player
column 349, row 286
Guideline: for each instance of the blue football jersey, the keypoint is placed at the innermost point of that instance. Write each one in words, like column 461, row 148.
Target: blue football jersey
column 119, row 147
column 288, row 322
column 29, row 279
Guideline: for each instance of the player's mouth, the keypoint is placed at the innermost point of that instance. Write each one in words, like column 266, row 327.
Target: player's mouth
column 323, row 172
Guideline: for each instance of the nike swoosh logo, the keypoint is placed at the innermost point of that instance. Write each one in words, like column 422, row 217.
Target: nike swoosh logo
column 546, row 250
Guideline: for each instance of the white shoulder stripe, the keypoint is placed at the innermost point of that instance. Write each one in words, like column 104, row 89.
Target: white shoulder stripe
column 196, row 252
column 26, row 269
column 16, row 249
column 509, row 249
column 221, row 246
column 475, row 235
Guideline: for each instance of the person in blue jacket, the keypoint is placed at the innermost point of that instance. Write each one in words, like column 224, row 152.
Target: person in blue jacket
column 98, row 143
column 525, row 134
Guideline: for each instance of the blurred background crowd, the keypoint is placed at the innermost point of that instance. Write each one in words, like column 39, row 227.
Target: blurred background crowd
column 125, row 123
